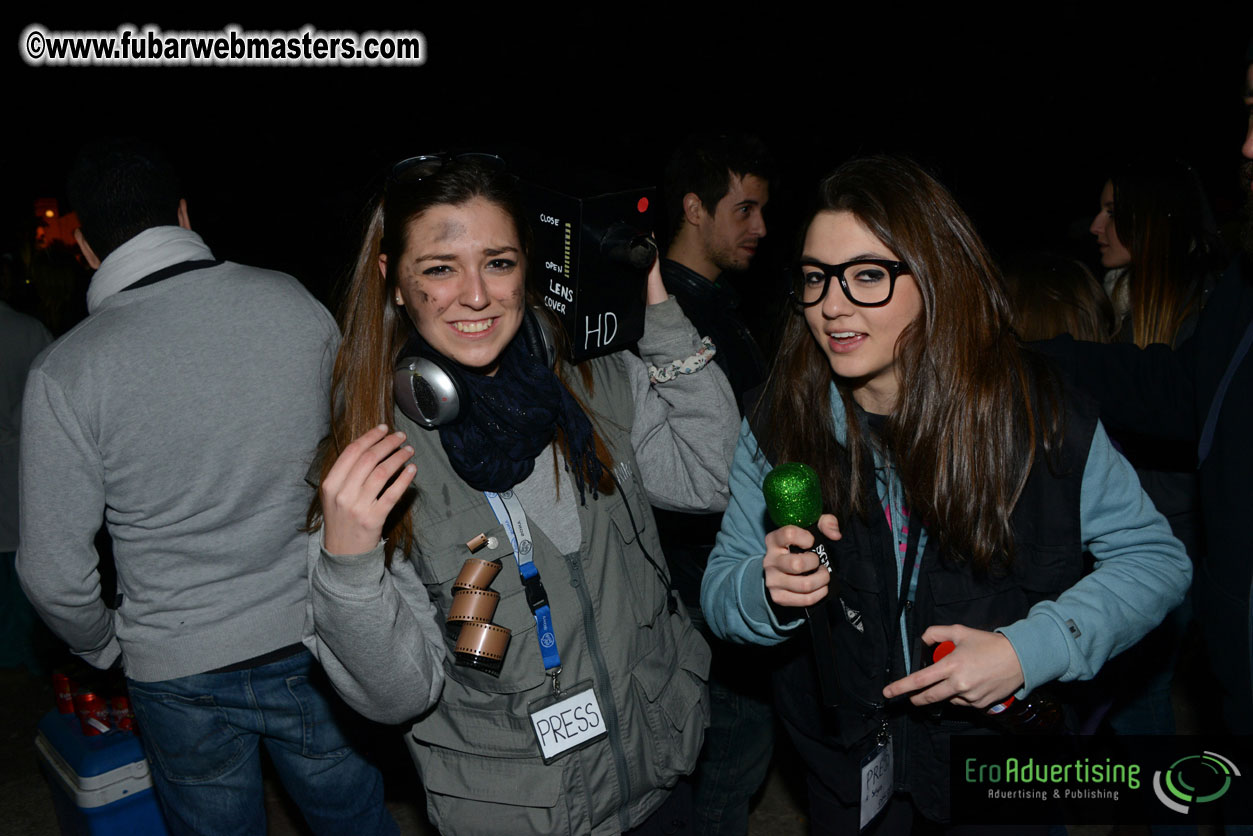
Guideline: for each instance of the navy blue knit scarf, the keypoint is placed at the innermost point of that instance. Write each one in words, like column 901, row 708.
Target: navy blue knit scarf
column 511, row 417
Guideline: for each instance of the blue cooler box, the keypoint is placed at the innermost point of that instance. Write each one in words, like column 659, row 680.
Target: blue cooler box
column 100, row 785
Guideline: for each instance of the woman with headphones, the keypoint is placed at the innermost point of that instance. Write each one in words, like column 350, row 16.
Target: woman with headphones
column 484, row 526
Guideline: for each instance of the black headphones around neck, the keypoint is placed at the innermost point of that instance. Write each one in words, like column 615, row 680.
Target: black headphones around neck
column 430, row 389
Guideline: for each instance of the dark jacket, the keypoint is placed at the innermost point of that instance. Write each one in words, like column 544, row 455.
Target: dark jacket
column 1169, row 394
column 867, row 644
column 712, row 307
column 1167, row 469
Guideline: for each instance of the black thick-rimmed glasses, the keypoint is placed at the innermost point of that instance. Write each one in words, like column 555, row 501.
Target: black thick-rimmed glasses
column 867, row 282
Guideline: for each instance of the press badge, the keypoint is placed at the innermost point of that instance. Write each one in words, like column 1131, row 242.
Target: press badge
column 567, row 721
column 876, row 780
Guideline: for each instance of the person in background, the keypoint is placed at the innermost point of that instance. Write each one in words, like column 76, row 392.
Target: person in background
column 1158, row 242
column 22, row 337
column 1200, row 393
column 716, row 191
column 1050, row 294
column 184, row 412
column 1155, row 230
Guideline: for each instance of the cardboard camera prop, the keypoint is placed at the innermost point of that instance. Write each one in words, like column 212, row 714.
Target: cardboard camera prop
column 593, row 248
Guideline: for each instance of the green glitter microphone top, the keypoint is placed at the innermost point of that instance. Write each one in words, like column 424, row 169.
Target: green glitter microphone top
column 793, row 495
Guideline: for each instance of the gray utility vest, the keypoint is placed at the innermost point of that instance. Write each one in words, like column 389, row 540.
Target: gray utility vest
column 476, row 751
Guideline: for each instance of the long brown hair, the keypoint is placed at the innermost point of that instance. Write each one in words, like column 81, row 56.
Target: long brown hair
column 1051, row 294
column 972, row 407
column 1163, row 217
column 375, row 329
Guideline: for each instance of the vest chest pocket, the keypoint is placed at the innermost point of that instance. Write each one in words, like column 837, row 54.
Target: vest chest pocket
column 958, row 596
column 1045, row 572
column 1038, row 573
column 442, row 554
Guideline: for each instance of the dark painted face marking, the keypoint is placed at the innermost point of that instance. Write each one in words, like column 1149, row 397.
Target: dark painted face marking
column 450, row 229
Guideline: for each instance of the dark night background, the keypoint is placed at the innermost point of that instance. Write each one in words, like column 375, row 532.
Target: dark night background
column 1021, row 119
column 1021, row 110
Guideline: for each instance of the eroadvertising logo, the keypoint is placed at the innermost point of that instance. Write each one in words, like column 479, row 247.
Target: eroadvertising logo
column 1194, row 779
column 1071, row 779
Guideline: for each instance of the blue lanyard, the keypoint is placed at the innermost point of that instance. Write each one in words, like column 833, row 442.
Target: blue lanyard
column 510, row 514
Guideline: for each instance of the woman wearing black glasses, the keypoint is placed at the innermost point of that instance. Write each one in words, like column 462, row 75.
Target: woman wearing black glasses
column 966, row 483
column 574, row 700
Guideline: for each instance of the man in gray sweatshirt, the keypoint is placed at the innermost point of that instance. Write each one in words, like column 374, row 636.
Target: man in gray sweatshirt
column 184, row 413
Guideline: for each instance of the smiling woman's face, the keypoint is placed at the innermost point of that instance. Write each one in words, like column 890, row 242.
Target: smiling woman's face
column 462, row 278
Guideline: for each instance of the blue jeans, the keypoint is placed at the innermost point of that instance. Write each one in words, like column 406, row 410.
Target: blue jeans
column 736, row 756
column 200, row 734
column 734, row 762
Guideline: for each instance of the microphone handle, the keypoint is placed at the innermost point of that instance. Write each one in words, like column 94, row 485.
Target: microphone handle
column 819, row 617
column 824, row 653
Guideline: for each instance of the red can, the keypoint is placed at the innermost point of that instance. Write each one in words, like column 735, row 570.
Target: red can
column 63, row 687
column 93, row 713
column 123, row 717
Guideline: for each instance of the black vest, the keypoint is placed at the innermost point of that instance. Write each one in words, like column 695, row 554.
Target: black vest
column 862, row 609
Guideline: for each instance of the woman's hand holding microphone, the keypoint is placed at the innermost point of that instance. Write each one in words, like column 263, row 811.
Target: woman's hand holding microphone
column 792, row 578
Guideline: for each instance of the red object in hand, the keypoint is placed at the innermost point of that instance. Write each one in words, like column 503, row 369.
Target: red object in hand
column 943, row 649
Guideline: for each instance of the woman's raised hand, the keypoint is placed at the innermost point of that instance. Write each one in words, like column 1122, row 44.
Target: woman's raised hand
column 655, row 288
column 982, row 669
column 354, row 502
column 797, row 579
